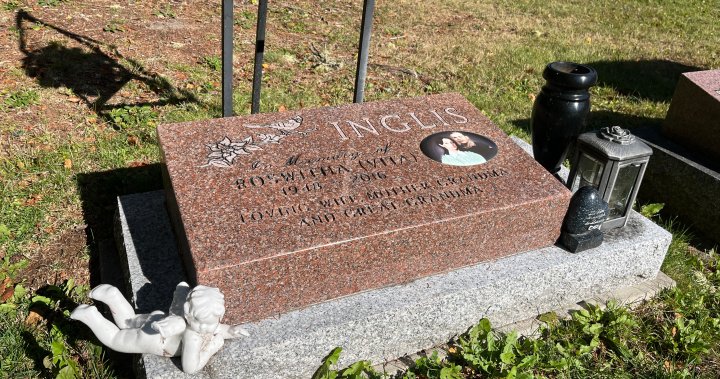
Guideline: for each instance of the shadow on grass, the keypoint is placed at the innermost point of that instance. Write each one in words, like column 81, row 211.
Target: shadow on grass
column 34, row 351
column 53, row 305
column 600, row 119
column 652, row 80
column 93, row 72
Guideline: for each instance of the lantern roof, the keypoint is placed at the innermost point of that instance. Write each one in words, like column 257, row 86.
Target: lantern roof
column 616, row 143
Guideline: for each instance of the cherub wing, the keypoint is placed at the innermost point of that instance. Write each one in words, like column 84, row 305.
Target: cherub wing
column 179, row 296
column 169, row 326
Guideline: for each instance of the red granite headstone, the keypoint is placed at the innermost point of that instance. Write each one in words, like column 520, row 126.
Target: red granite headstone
column 693, row 119
column 284, row 210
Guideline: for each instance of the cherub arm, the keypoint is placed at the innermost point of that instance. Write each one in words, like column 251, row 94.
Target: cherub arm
column 195, row 353
column 179, row 296
column 170, row 326
column 229, row 332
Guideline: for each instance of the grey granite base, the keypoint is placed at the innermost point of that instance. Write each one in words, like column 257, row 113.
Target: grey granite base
column 685, row 181
column 387, row 323
column 630, row 297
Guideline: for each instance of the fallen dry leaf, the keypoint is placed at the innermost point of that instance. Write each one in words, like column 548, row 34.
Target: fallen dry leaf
column 7, row 294
column 282, row 108
column 67, row 164
column 133, row 140
column 137, row 164
column 33, row 318
column 8, row 290
column 32, row 200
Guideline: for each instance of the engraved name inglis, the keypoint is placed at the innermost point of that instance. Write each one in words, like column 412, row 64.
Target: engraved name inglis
column 224, row 152
column 398, row 123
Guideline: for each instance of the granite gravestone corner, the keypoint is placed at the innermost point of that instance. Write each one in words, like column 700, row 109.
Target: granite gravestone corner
column 684, row 172
column 693, row 119
column 281, row 211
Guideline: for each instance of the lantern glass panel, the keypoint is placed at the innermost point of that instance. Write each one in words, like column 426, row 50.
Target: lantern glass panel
column 620, row 197
column 589, row 172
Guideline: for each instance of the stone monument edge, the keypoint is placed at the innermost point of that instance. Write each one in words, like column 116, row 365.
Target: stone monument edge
column 173, row 212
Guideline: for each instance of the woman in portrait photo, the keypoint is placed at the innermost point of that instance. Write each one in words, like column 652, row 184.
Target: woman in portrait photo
column 455, row 157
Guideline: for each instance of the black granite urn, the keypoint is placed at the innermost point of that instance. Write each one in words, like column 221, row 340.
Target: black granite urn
column 560, row 111
column 586, row 213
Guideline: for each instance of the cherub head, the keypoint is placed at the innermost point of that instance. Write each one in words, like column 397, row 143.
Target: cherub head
column 204, row 308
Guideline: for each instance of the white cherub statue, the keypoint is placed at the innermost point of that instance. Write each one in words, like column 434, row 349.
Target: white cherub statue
column 191, row 328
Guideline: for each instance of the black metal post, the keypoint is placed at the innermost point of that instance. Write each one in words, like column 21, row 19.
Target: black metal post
column 361, row 72
column 259, row 51
column 227, row 60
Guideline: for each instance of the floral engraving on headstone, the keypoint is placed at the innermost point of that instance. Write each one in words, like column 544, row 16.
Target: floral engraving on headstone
column 224, row 152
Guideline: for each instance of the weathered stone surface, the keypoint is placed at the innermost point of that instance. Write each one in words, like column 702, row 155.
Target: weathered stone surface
column 686, row 182
column 693, row 119
column 587, row 211
column 387, row 323
column 154, row 271
column 581, row 227
column 285, row 210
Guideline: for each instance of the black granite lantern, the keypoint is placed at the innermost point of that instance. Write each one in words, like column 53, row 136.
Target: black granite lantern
column 613, row 161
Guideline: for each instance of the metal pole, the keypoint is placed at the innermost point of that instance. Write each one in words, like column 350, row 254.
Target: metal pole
column 227, row 60
column 361, row 72
column 259, row 51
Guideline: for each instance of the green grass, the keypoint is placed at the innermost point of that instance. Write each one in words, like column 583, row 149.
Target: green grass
column 246, row 19
column 47, row 341
column 166, row 11
column 213, row 62
column 50, row 3
column 493, row 53
column 21, row 98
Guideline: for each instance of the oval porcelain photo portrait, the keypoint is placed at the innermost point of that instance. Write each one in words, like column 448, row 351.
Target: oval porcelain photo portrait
column 458, row 148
